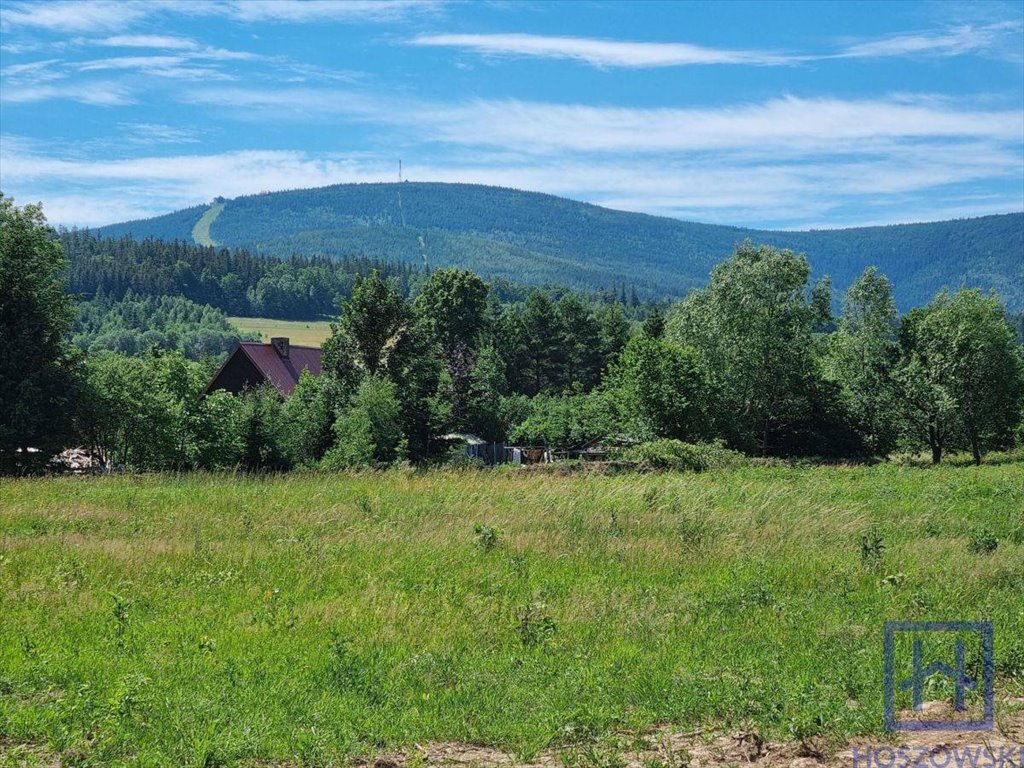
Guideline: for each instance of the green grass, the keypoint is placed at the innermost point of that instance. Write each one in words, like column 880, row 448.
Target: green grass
column 209, row 620
column 306, row 332
column 201, row 230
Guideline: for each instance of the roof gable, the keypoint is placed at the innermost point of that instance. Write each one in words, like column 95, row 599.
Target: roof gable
column 254, row 363
column 283, row 373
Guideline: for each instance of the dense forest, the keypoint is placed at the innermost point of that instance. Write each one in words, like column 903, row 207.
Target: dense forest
column 241, row 283
column 136, row 325
column 235, row 281
column 755, row 363
column 533, row 238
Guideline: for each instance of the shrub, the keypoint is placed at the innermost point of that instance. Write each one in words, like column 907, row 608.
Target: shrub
column 536, row 625
column 872, row 547
column 486, row 536
column 458, row 458
column 681, row 457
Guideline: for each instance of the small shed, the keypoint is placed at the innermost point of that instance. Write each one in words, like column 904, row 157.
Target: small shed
column 528, row 454
column 279, row 363
column 476, row 447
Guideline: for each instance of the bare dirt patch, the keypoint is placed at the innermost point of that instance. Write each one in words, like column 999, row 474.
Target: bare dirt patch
column 670, row 748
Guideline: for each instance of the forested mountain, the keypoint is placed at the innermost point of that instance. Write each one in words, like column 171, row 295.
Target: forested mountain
column 239, row 282
column 535, row 238
column 234, row 281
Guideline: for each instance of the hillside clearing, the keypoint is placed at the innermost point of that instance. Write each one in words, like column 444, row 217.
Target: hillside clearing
column 210, row 619
column 201, row 230
column 306, row 332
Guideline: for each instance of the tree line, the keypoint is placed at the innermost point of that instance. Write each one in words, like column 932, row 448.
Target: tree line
column 239, row 282
column 755, row 361
column 134, row 325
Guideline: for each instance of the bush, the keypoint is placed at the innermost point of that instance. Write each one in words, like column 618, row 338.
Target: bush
column 678, row 456
column 458, row 458
column 370, row 431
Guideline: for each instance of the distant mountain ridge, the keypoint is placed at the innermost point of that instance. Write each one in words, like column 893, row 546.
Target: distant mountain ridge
column 537, row 238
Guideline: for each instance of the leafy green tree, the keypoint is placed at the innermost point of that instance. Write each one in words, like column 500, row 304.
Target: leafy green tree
column 219, row 435
column 144, row 412
column 451, row 308
column 821, row 305
column 662, row 390
column 753, row 326
column 615, row 332
column 264, row 430
column 370, row 329
column 580, row 344
column 309, row 415
column 508, row 337
column 540, row 338
column 563, row 421
column 861, row 359
column 488, row 386
column 654, row 324
column 370, row 430
column 962, row 371
column 36, row 372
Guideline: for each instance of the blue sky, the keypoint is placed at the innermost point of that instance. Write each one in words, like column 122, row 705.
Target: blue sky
column 756, row 114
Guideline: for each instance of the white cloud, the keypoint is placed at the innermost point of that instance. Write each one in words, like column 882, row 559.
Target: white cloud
column 606, row 53
column 72, row 15
column 32, row 72
column 789, row 124
column 176, row 67
column 299, row 11
column 954, row 41
column 100, row 94
column 603, row 53
column 721, row 189
column 102, row 15
column 169, row 42
column 158, row 133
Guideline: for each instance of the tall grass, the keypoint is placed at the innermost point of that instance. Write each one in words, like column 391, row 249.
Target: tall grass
column 209, row 619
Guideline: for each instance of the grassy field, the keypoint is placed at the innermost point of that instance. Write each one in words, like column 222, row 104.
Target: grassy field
column 218, row 620
column 306, row 332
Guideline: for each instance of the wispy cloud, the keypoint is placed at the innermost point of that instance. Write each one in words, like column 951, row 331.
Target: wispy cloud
column 159, row 133
column 954, row 41
column 156, row 66
column 167, row 42
column 790, row 124
column 71, row 15
column 301, row 11
column 100, row 94
column 603, row 53
column 786, row 161
column 183, row 46
column 689, row 188
column 101, row 15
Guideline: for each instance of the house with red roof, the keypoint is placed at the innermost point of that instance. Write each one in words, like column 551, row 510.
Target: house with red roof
column 279, row 363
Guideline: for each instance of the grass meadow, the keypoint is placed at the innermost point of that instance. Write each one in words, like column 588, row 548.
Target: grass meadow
column 202, row 620
column 311, row 333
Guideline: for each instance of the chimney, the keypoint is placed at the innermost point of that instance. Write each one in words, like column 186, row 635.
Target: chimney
column 281, row 345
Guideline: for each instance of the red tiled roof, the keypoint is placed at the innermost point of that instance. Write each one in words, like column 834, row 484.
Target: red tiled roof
column 283, row 373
